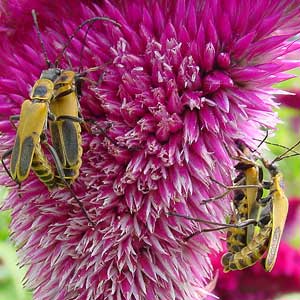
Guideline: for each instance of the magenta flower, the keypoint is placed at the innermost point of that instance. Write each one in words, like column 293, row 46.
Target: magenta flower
column 290, row 100
column 291, row 230
column 183, row 80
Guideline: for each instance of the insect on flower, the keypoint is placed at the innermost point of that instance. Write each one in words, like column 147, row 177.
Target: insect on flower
column 65, row 128
column 271, row 227
column 246, row 247
column 55, row 97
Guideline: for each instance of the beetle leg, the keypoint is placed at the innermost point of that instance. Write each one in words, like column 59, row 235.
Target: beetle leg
column 61, row 174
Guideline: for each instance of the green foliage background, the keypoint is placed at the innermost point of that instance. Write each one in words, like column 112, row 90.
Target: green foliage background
column 11, row 275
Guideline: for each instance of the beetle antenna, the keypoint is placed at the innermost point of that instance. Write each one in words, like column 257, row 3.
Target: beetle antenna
column 36, row 24
column 284, row 154
column 92, row 20
column 83, row 45
column 262, row 141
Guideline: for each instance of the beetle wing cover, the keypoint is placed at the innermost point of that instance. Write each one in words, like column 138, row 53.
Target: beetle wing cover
column 65, row 135
column 70, row 133
column 56, row 138
column 280, row 211
column 31, row 125
column 252, row 178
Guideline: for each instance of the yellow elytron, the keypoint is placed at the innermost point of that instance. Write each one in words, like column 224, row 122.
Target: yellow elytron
column 280, row 208
column 65, row 129
column 27, row 152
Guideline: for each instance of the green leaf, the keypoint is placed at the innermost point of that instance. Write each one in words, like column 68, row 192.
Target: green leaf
column 11, row 275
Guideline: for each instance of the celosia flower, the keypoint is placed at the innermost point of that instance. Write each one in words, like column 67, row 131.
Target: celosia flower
column 182, row 81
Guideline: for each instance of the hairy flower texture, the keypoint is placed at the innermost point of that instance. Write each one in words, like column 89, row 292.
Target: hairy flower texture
column 182, row 81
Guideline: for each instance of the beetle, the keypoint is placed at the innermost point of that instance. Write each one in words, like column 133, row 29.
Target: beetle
column 27, row 152
column 65, row 126
column 270, row 219
column 268, row 238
